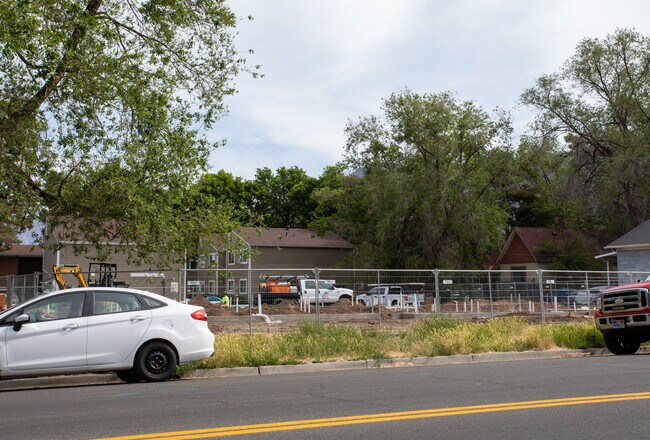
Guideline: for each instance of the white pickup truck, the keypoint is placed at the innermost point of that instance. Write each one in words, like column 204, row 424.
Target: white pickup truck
column 392, row 296
column 327, row 292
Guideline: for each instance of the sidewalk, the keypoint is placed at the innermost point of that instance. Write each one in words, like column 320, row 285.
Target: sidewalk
column 110, row 378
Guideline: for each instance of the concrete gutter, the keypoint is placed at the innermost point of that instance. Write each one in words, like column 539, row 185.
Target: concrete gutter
column 110, row 378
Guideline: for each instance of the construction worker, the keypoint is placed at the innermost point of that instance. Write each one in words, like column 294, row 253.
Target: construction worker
column 225, row 300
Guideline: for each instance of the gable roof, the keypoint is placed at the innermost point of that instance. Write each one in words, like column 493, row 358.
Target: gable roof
column 637, row 237
column 532, row 238
column 290, row 237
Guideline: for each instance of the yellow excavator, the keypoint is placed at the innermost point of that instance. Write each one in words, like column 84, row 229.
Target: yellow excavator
column 59, row 270
column 105, row 274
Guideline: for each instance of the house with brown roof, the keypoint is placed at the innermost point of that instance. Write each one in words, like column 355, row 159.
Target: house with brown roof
column 529, row 249
column 21, row 259
column 270, row 251
column 632, row 250
column 261, row 250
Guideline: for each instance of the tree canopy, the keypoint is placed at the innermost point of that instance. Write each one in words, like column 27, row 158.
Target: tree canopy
column 598, row 107
column 432, row 187
column 102, row 104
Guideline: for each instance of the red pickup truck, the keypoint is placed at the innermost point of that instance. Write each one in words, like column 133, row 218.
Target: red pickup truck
column 623, row 317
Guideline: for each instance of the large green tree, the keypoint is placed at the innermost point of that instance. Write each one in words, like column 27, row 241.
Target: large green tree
column 102, row 103
column 430, row 185
column 598, row 106
column 281, row 199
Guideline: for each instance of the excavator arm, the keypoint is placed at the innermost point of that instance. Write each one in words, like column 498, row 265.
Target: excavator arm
column 74, row 270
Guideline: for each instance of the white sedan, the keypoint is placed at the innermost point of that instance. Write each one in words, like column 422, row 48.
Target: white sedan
column 137, row 334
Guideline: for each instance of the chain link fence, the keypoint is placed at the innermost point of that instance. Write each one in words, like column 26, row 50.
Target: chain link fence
column 448, row 292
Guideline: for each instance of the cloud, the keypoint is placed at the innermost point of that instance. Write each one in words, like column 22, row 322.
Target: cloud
column 326, row 62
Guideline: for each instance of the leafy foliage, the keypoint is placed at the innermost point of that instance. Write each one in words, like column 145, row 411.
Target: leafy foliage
column 282, row 199
column 100, row 109
column 431, row 185
column 598, row 105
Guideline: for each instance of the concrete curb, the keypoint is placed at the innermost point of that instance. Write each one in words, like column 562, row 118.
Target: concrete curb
column 110, row 378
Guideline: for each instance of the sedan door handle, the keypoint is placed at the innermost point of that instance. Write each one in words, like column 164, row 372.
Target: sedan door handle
column 71, row 326
column 138, row 318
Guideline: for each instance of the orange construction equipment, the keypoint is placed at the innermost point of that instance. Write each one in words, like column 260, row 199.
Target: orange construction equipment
column 275, row 286
column 74, row 270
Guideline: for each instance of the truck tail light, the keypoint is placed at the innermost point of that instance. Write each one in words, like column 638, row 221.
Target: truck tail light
column 199, row 315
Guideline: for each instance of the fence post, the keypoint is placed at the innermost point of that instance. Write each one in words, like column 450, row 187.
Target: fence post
column 10, row 288
column 379, row 296
column 490, row 290
column 317, row 296
column 541, row 295
column 436, row 300
column 35, row 286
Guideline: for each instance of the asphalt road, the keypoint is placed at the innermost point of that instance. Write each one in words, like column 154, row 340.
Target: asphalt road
column 569, row 398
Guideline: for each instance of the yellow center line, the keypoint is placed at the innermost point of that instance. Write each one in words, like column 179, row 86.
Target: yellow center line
column 382, row 417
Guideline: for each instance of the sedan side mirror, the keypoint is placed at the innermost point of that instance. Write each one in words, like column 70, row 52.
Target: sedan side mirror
column 20, row 320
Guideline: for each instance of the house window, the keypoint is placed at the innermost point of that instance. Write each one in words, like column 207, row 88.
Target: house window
column 211, row 289
column 212, row 260
column 243, row 259
column 243, row 286
column 231, row 258
column 231, row 285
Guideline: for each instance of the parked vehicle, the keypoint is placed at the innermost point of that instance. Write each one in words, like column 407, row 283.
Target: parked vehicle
column 564, row 295
column 328, row 293
column 589, row 297
column 137, row 334
column 623, row 317
column 213, row 299
column 393, row 295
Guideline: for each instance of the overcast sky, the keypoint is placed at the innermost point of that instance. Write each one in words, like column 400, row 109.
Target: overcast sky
column 329, row 61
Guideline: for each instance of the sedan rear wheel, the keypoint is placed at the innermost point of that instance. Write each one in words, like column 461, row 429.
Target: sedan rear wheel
column 155, row 362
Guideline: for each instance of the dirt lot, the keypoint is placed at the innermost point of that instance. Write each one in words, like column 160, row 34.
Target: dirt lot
column 389, row 318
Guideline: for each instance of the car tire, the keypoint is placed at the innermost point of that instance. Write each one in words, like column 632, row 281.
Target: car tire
column 394, row 303
column 155, row 362
column 361, row 302
column 621, row 346
column 128, row 376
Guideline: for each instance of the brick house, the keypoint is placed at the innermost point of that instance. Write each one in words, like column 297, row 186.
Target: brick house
column 21, row 259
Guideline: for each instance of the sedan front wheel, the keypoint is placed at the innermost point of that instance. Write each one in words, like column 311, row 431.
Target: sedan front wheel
column 155, row 362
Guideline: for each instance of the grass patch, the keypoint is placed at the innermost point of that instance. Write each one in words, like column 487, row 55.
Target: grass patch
column 433, row 337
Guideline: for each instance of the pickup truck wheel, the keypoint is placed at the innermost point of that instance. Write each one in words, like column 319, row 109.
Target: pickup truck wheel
column 620, row 346
column 361, row 302
column 394, row 303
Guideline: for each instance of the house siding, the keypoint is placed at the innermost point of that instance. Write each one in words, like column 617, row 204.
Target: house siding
column 8, row 266
column 517, row 253
column 633, row 261
column 271, row 258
